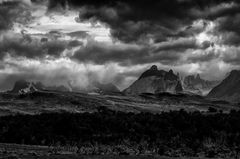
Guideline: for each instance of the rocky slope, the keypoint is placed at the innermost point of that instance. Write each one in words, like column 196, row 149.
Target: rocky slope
column 60, row 88
column 155, row 81
column 228, row 89
column 105, row 88
column 197, row 85
column 96, row 88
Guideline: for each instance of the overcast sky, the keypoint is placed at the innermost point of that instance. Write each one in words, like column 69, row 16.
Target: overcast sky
column 78, row 41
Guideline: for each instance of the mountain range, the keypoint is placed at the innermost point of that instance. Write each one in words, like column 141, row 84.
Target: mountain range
column 153, row 81
column 158, row 81
column 197, row 85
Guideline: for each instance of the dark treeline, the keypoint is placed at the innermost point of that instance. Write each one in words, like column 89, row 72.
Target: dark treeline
column 178, row 130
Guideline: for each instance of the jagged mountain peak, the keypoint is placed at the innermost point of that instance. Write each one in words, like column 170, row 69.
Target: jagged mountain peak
column 171, row 76
column 154, row 71
column 195, row 84
column 170, row 71
column 198, row 77
column 155, row 81
column 154, row 67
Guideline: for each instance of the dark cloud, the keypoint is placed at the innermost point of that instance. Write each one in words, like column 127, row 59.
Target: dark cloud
column 5, row 22
column 55, row 34
column 202, row 57
column 13, row 12
column 219, row 9
column 229, row 28
column 231, row 38
column 100, row 53
column 74, row 43
column 141, row 20
column 44, row 40
column 182, row 44
column 31, row 49
column 231, row 55
column 169, row 53
column 130, row 23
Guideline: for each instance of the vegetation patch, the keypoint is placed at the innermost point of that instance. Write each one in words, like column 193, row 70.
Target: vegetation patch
column 175, row 133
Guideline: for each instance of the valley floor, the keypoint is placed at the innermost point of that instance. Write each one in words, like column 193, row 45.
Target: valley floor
column 16, row 151
column 52, row 102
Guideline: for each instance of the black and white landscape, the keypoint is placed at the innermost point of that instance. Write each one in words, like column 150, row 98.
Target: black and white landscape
column 106, row 79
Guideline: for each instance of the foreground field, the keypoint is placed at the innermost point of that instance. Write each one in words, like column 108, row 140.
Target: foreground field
column 50, row 102
column 107, row 132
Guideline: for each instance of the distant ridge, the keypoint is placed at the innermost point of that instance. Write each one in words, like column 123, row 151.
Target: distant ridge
column 24, row 87
column 107, row 88
column 197, row 85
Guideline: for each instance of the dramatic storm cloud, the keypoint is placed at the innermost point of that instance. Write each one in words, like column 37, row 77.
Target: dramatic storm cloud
column 72, row 41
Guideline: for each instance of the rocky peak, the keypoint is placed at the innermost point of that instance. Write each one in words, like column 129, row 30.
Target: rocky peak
column 153, row 71
column 154, row 67
column 170, row 71
column 171, row 76
column 198, row 77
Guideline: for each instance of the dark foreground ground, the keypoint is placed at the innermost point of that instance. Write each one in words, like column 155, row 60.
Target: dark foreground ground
column 95, row 157
column 76, row 125
column 107, row 132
